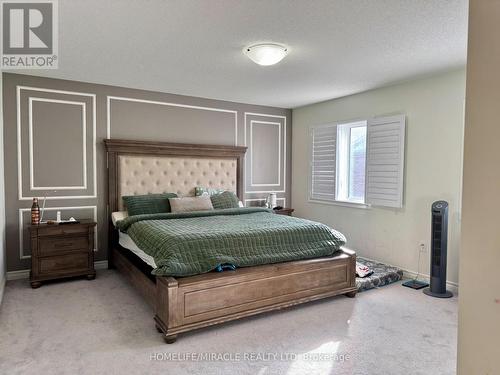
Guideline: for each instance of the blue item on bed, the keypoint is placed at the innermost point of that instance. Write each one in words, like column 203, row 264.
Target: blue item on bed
column 225, row 267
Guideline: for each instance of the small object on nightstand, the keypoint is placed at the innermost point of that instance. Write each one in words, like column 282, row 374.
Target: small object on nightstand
column 35, row 212
column 60, row 251
column 271, row 200
column 71, row 220
column 283, row 211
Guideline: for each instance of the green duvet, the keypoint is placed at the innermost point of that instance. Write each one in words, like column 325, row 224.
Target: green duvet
column 196, row 242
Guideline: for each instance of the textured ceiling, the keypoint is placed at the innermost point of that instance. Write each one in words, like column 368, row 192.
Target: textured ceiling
column 337, row 47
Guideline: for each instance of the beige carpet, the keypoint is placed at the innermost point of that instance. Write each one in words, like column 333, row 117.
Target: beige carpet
column 104, row 327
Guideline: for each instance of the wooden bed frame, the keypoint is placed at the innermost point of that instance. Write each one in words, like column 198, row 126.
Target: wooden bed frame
column 188, row 303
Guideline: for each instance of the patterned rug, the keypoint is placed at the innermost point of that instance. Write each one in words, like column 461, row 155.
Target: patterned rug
column 382, row 275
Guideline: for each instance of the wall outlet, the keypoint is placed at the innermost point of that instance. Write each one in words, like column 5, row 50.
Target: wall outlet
column 422, row 247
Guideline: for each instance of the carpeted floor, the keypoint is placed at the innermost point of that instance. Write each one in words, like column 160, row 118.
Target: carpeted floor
column 104, row 327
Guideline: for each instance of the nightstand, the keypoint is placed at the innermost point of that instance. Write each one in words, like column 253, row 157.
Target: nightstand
column 284, row 211
column 61, row 250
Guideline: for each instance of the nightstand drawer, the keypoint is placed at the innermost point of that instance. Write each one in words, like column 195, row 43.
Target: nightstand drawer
column 64, row 263
column 54, row 245
column 62, row 230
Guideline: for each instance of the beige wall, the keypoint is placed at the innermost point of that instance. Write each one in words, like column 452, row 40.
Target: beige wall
column 434, row 108
column 479, row 299
column 2, row 202
column 63, row 162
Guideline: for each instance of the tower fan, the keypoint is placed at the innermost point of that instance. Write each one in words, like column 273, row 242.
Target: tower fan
column 439, row 245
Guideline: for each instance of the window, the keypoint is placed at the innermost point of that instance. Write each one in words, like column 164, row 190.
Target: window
column 351, row 160
column 359, row 162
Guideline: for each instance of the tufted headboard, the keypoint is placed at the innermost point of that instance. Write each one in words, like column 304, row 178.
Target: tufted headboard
column 138, row 167
column 173, row 174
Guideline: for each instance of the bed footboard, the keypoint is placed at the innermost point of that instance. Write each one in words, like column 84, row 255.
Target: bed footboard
column 194, row 302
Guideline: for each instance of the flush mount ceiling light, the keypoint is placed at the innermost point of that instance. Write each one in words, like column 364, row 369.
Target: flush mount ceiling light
column 266, row 53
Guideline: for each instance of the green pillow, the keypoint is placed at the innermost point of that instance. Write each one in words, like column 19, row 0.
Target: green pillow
column 226, row 199
column 200, row 190
column 148, row 204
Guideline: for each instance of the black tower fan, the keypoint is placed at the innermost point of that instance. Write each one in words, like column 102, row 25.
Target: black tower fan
column 439, row 244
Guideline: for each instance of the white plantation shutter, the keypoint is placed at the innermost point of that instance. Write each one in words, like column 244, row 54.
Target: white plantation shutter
column 385, row 161
column 323, row 162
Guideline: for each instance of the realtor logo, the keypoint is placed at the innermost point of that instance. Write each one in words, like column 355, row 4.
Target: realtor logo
column 29, row 34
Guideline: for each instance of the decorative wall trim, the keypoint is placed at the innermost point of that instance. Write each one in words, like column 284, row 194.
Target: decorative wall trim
column 21, row 225
column 246, row 114
column 102, row 105
column 122, row 98
column 83, row 106
column 264, row 199
column 25, row 274
column 19, row 141
column 264, row 191
column 252, row 122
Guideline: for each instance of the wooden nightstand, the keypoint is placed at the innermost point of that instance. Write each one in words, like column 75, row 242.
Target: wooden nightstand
column 59, row 251
column 284, row 211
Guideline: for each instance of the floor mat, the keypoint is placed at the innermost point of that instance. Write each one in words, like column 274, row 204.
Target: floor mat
column 382, row 275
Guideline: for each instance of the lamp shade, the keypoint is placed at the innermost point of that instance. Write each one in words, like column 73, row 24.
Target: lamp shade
column 266, row 53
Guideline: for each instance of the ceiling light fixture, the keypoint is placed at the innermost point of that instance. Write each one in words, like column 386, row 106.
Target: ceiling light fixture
column 266, row 53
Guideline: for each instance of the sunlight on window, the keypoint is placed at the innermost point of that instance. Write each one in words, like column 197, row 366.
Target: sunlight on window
column 357, row 160
column 351, row 161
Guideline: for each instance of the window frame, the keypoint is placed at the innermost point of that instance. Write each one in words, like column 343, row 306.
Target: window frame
column 382, row 176
column 334, row 202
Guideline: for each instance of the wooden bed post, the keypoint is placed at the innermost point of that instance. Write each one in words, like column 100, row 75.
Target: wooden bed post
column 166, row 307
column 240, row 162
column 112, row 206
column 352, row 267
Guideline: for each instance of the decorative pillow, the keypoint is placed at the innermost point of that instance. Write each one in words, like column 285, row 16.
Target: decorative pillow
column 226, row 199
column 147, row 204
column 118, row 215
column 200, row 190
column 187, row 204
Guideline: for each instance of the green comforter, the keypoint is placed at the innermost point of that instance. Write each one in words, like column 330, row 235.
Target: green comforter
column 192, row 243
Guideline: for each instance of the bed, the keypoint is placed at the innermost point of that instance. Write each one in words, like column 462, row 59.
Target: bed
column 182, row 297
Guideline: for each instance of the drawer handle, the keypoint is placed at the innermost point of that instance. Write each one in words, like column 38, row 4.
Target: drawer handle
column 64, row 244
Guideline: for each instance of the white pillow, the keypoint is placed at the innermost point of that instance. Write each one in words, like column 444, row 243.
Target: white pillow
column 187, row 204
column 118, row 215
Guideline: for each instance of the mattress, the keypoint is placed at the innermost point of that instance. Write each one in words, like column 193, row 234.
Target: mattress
column 126, row 242
column 382, row 275
column 192, row 243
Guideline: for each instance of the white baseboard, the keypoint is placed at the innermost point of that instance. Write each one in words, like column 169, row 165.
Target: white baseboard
column 101, row 265
column 408, row 274
column 16, row 275
column 25, row 274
